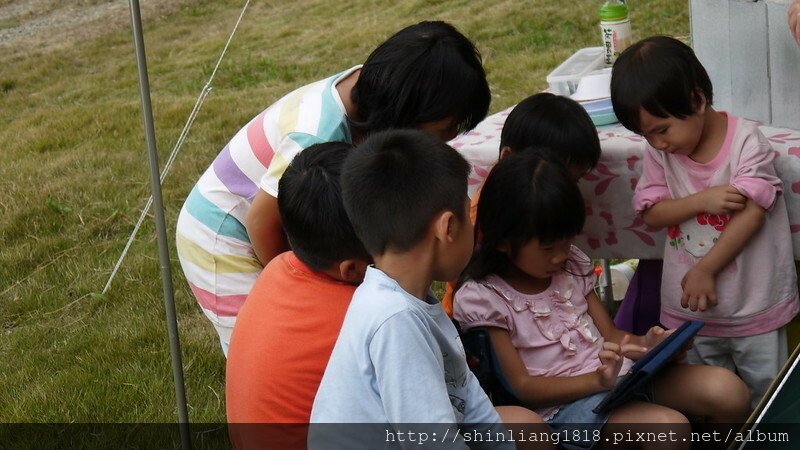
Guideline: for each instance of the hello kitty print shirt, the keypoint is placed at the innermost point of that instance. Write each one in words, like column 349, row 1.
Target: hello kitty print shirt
column 757, row 291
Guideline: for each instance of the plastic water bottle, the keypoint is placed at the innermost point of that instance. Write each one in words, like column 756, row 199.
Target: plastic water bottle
column 616, row 29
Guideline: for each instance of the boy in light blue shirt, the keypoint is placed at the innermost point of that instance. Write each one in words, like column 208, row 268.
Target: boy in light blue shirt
column 399, row 363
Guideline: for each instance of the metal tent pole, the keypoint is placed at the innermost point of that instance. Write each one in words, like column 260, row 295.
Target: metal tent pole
column 161, row 228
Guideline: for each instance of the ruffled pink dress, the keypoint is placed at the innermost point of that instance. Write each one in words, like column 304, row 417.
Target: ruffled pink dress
column 552, row 330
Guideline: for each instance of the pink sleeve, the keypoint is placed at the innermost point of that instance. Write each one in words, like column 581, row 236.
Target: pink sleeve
column 475, row 305
column 652, row 186
column 754, row 175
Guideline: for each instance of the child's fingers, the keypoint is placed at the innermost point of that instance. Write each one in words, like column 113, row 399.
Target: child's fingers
column 655, row 335
column 702, row 303
column 735, row 197
column 732, row 190
column 633, row 351
column 729, row 206
column 693, row 302
column 633, row 348
column 685, row 300
column 737, row 200
column 606, row 357
column 712, row 299
column 626, row 348
column 604, row 371
column 611, row 346
column 607, row 376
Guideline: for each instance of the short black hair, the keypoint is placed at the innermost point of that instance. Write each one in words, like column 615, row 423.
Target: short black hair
column 394, row 184
column 311, row 209
column 529, row 194
column 660, row 74
column 553, row 121
column 423, row 73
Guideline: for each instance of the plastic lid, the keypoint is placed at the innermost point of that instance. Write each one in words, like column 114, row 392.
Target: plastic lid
column 613, row 10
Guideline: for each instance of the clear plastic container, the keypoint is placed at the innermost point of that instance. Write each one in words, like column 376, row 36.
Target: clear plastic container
column 564, row 79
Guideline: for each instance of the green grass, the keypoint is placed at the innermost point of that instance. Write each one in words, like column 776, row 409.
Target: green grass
column 74, row 175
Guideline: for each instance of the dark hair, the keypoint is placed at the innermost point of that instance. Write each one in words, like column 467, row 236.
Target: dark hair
column 527, row 195
column 424, row 73
column 394, row 184
column 556, row 122
column 661, row 75
column 311, row 209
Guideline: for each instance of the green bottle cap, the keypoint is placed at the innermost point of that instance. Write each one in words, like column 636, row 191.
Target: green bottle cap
column 613, row 10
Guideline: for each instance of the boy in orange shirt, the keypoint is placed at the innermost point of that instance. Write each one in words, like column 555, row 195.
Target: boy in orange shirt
column 289, row 324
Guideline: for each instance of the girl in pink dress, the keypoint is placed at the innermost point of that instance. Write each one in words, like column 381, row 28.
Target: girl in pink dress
column 533, row 291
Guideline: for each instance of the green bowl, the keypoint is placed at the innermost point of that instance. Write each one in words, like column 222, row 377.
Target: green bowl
column 603, row 119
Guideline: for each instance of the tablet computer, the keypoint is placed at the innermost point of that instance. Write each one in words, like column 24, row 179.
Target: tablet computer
column 648, row 365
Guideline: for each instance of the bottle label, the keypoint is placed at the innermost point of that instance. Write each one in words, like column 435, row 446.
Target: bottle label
column 616, row 38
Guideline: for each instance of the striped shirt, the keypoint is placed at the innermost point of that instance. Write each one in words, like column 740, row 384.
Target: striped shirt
column 214, row 249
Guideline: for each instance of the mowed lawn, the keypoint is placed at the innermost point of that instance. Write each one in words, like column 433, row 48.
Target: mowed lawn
column 74, row 175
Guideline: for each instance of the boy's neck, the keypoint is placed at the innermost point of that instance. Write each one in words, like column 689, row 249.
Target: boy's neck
column 333, row 273
column 410, row 269
column 350, row 271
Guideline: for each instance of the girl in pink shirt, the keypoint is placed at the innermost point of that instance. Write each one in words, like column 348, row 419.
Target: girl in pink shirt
column 708, row 177
column 534, row 293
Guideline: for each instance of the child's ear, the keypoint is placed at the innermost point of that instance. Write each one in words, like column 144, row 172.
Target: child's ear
column 504, row 151
column 445, row 226
column 699, row 102
column 353, row 270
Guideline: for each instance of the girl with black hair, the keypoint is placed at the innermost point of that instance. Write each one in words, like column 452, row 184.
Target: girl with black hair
column 549, row 121
column 709, row 178
column 426, row 76
column 534, row 293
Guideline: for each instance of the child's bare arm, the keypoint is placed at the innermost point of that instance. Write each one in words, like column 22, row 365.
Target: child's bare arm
column 714, row 200
column 539, row 391
column 264, row 227
column 602, row 320
column 698, row 284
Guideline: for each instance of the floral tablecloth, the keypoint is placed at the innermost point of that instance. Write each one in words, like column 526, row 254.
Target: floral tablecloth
column 612, row 229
